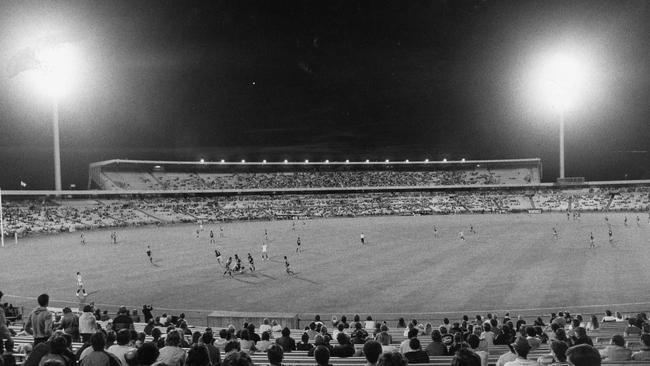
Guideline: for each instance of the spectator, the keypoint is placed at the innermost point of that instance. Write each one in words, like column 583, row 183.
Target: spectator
column 392, row 359
column 616, row 351
column 521, row 347
column 401, row 323
column 147, row 354
column 288, row 344
column 4, row 331
column 57, row 352
column 593, row 324
column 416, row 354
column 404, row 346
column 632, row 328
column 122, row 320
column 344, row 348
column 385, row 340
column 172, row 354
column 359, row 334
column 231, row 346
column 275, row 327
column 39, row 321
column 557, row 354
column 207, row 339
column 436, row 347
column 97, row 356
column 311, row 331
column 87, row 323
column 465, row 357
column 146, row 311
column 487, row 335
column 122, row 347
column 642, row 355
column 371, row 351
column 8, row 353
column 70, row 324
column 275, row 354
column 583, row 355
column 197, row 355
column 581, row 337
column 266, row 326
column 304, row 344
column 134, row 316
column 237, row 358
column 245, row 342
column 608, row 317
column 531, row 337
column 265, row 342
column 322, row 356
column 474, row 342
column 369, row 324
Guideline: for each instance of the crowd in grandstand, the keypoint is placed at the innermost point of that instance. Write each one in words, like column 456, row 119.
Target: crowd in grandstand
column 24, row 217
column 158, row 180
column 90, row 339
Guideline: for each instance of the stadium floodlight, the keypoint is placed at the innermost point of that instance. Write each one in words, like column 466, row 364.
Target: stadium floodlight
column 347, row 161
column 367, row 161
column 264, row 161
column 462, row 160
column 406, row 161
column 243, row 161
column 387, row 161
column 426, row 160
column 561, row 81
column 306, row 161
column 444, row 160
column 222, row 161
column 202, row 161
column 286, row 161
column 327, row 161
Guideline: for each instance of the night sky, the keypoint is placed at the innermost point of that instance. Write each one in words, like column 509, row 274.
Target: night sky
column 275, row 80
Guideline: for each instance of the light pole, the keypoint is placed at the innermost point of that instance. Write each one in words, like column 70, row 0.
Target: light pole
column 57, row 145
column 561, row 143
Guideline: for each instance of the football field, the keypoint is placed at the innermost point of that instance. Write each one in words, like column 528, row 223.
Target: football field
column 511, row 262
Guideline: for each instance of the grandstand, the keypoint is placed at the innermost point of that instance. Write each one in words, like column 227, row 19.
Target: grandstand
column 192, row 176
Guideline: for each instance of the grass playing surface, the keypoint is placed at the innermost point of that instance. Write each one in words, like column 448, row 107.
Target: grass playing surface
column 512, row 262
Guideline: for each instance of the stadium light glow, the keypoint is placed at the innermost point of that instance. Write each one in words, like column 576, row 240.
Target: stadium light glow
column 367, row 161
column 387, row 161
column 406, row 161
column 560, row 80
column 306, row 161
column 202, row 161
column 222, row 161
column 327, row 161
column 243, row 161
column 58, row 68
column 462, row 160
column 444, row 160
column 347, row 161
column 426, row 160
column 264, row 161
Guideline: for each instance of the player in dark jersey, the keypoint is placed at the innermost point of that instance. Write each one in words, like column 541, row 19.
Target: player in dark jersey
column 251, row 262
column 611, row 236
column 625, row 221
column 228, row 269
column 286, row 266
column 217, row 253
column 592, row 244
column 149, row 254
column 238, row 267
column 83, row 238
column 555, row 235
column 211, row 237
column 298, row 247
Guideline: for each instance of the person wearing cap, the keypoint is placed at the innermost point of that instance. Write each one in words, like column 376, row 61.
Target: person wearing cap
column 521, row 347
column 616, row 351
column 416, row 354
column 583, row 355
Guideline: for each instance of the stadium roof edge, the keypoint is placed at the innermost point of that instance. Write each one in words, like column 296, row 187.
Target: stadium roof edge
column 401, row 162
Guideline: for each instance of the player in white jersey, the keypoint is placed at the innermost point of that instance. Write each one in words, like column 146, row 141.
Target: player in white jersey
column 265, row 251
column 461, row 235
column 83, row 239
column 80, row 286
column 363, row 238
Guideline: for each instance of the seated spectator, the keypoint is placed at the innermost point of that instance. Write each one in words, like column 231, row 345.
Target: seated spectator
column 149, row 327
column 57, row 352
column 632, row 328
column 122, row 346
column 147, row 354
column 583, row 355
column 416, row 354
column 642, row 355
column 474, row 342
column 412, row 333
column 521, row 348
column 70, row 323
column 134, row 316
column 275, row 327
column 172, row 354
column 344, row 348
column 531, row 337
column 197, row 355
column 557, row 354
column 207, row 339
column 275, row 355
column 369, row 323
column 311, row 330
column 339, row 328
column 319, row 340
column 288, row 344
column 266, row 326
column 560, row 335
column 265, row 342
column 304, row 344
column 371, row 351
column 359, row 334
column 245, row 342
column 593, row 324
column 581, row 337
column 436, row 347
column 231, row 346
column 8, row 353
column 487, row 335
column 322, row 356
column 616, row 351
column 99, row 357
column 384, row 339
column 122, row 320
column 465, row 357
column 237, row 358
column 392, row 359
column 608, row 317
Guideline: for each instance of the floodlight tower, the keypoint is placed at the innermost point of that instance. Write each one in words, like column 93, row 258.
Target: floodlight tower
column 562, row 77
column 57, row 66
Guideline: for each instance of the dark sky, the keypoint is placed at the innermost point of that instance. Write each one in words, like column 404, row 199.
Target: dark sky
column 323, row 80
